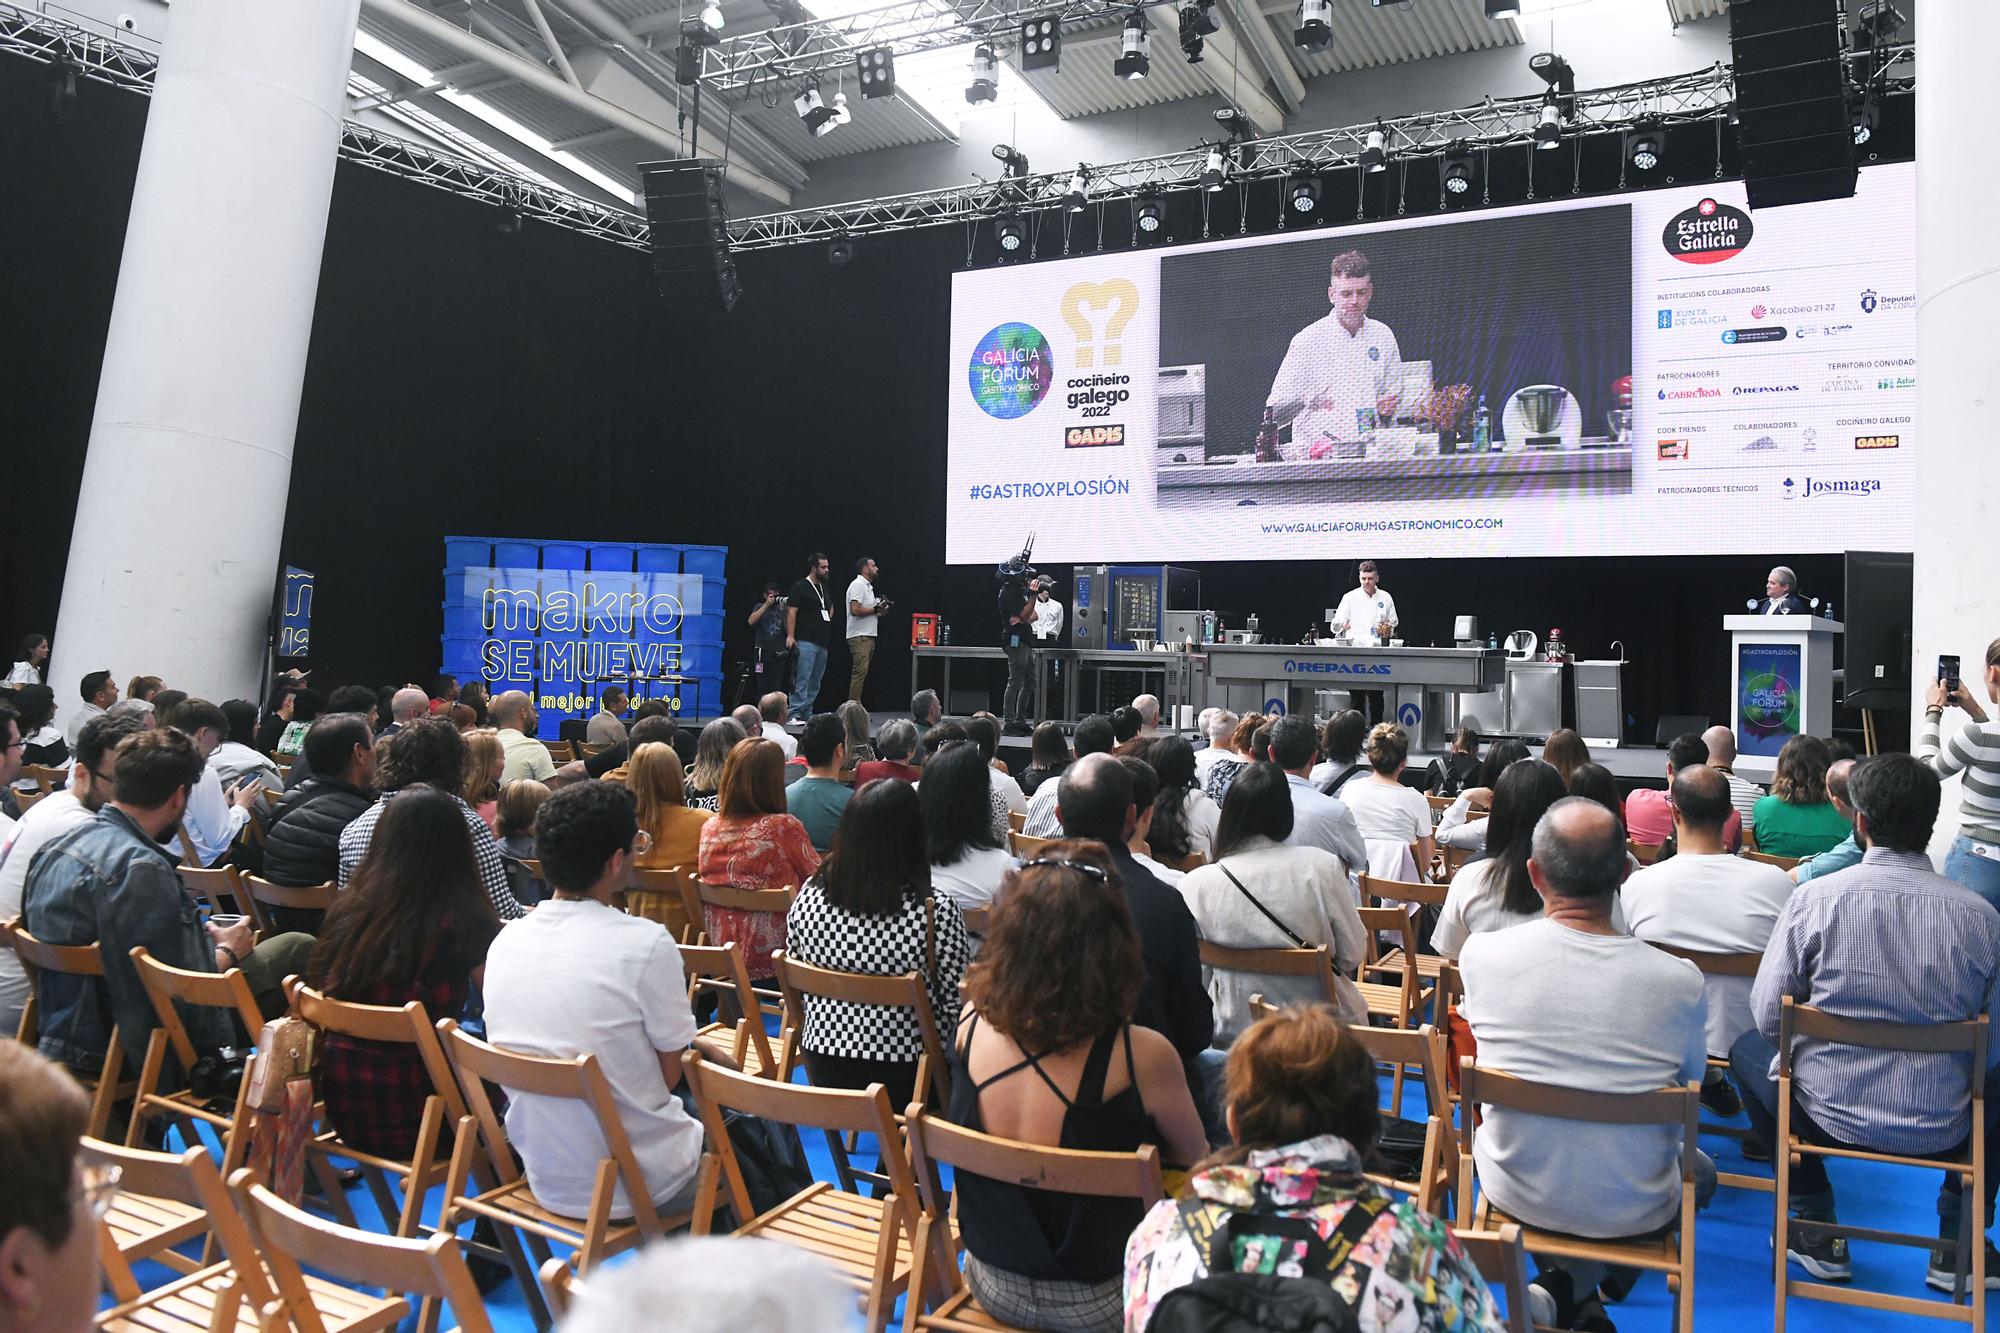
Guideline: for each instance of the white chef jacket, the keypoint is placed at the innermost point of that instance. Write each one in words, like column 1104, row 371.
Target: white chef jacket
column 1048, row 619
column 1354, row 370
column 1359, row 613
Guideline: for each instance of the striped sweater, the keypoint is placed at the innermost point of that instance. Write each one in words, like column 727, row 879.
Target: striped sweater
column 1975, row 752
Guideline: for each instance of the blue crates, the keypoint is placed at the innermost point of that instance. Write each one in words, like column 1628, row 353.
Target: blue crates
column 611, row 555
column 659, row 559
column 706, row 561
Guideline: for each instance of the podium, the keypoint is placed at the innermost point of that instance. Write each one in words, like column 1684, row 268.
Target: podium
column 1780, row 685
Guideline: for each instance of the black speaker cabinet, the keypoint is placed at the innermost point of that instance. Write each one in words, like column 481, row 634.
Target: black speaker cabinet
column 1878, row 613
column 690, row 230
column 1792, row 132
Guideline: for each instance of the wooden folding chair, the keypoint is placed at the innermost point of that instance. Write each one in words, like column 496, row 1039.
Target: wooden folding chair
column 1401, row 1002
column 1772, row 859
column 1017, row 820
column 1673, row 1254
column 560, row 752
column 1396, row 892
column 1439, row 804
column 1726, row 965
column 189, row 856
column 740, row 1042
column 797, row 980
column 47, row 779
column 232, row 1294
column 937, row 1142
column 28, row 800
column 1453, row 859
column 868, row 1242
column 662, row 896
column 151, row 1213
column 976, row 919
column 1503, row 1261
column 563, row 1286
column 1025, row 847
column 169, row 988
column 220, row 888
column 1964, row 1038
column 1749, row 837
column 108, row 1085
column 264, row 895
column 511, row 1203
column 291, row 1240
column 714, row 896
column 1314, row 964
column 1422, row 1050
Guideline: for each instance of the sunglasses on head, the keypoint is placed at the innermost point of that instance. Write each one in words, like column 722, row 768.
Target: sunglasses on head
column 1081, row 867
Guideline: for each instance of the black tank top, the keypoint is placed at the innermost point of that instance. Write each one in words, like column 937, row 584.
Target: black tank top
column 1041, row 1233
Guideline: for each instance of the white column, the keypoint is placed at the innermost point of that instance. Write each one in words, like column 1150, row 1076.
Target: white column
column 1957, row 606
column 174, row 559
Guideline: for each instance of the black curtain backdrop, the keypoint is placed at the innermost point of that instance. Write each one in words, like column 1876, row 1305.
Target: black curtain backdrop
column 461, row 381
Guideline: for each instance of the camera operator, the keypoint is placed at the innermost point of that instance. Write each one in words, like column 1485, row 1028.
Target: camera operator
column 1019, row 586
column 772, row 661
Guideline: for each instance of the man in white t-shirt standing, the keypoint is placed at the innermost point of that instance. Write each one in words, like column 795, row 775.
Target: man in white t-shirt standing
column 577, row 976
column 864, row 618
column 1367, row 616
column 1342, row 373
column 1706, row 900
column 1539, row 997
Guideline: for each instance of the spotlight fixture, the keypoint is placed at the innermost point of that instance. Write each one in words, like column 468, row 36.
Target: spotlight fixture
column 1215, row 171
column 1302, row 197
column 1560, row 75
column 1078, row 193
column 1013, row 162
column 1503, row 9
column 1375, row 155
column 1548, row 125
column 876, row 69
column 711, row 16
column 1645, row 145
column 840, row 251
column 1458, row 169
column 813, row 111
column 985, row 85
column 1878, row 21
column 1041, row 42
column 1133, row 61
column 696, row 33
column 1149, row 213
column 841, row 115
column 1203, row 12
column 1866, row 118
column 1315, row 30
column 1011, row 234
column 1192, row 42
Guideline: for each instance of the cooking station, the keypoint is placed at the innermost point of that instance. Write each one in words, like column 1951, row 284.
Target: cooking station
column 1244, row 678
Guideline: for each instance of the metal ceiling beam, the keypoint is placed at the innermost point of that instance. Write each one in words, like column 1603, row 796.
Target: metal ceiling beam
column 1272, row 53
column 542, row 80
column 593, row 139
column 556, row 51
column 1227, row 68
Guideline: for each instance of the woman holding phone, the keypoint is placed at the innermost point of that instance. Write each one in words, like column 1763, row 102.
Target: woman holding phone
column 1974, row 859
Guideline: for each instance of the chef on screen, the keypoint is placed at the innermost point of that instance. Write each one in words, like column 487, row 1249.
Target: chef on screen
column 1342, row 372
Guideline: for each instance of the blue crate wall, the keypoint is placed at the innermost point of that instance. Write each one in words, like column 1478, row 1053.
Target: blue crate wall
column 697, row 637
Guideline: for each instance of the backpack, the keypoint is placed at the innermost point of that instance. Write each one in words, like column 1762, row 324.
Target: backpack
column 1253, row 1303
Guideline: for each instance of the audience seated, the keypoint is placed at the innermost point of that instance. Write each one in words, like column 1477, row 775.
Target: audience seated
column 1125, row 724
column 406, row 706
column 237, row 759
column 520, row 805
column 1649, row 815
column 431, row 752
column 818, row 798
column 1300, row 1102
column 1145, row 793
column 1566, row 751
column 30, row 659
column 1340, row 743
column 772, row 710
column 753, row 843
column 108, row 882
column 1184, row 819
column 302, row 840
column 926, row 710
column 1847, row 851
column 213, row 816
column 485, row 770
column 1496, row 892
column 577, row 976
column 11, row 745
column 1594, row 782
column 512, row 714
column 1007, row 798
column 473, row 695
column 1048, row 756
column 1318, row 820
column 90, row 788
column 1263, row 893
column 144, row 687
column 1456, row 827
column 41, row 740
column 1095, row 802
column 1054, row 991
column 898, row 748
column 660, row 790
column 1890, row 941
column 606, row 726
column 720, row 1284
column 1218, row 726
column 1390, row 815
column 871, row 908
column 1460, row 766
column 357, row 699
column 711, row 755
column 1093, row 736
column 1224, row 767
column 1590, row 1180
column 1147, row 706
column 1743, row 796
column 855, row 722
column 167, row 703
column 306, row 704
column 1797, row 819
column 1708, row 901
column 967, row 860
column 649, row 728
column 98, row 691
column 414, row 924
column 49, row 1210
column 443, row 692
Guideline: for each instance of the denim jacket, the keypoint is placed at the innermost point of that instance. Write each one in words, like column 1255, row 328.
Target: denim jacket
column 105, row 882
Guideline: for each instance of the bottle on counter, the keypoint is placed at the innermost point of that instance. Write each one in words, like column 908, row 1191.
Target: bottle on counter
column 1556, row 652
column 1251, row 625
column 1492, row 641
column 944, row 633
column 1828, row 611
column 1267, row 437
column 1482, row 428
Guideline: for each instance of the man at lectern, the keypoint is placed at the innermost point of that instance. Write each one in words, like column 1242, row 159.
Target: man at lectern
column 1781, row 597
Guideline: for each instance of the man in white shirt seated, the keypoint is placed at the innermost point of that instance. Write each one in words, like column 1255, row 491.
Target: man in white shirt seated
column 214, row 816
column 1093, row 736
column 1147, row 706
column 577, row 976
column 1743, row 796
column 772, row 710
column 1318, row 820
column 1219, row 725
column 1708, row 901
column 1570, row 1001
column 514, row 714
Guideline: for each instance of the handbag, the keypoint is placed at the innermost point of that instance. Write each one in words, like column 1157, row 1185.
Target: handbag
column 1298, row 942
column 280, row 1100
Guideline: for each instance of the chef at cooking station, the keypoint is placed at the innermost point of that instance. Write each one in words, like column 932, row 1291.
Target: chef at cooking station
column 1367, row 614
column 1342, row 373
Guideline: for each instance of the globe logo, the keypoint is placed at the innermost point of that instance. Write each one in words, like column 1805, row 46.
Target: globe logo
column 1011, row 371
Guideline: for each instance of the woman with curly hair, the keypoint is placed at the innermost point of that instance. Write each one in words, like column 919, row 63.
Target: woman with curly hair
column 1803, row 821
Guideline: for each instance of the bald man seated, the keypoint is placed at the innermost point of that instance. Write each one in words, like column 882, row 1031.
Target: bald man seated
column 1743, row 796
column 514, row 714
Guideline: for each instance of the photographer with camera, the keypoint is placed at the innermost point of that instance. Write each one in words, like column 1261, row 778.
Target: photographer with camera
column 1019, row 587
column 772, row 661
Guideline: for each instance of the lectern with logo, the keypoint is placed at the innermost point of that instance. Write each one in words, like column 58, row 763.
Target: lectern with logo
column 1780, row 684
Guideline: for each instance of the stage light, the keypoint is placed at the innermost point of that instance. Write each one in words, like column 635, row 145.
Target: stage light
column 1866, row 118
column 1010, row 233
column 1013, row 162
column 1375, row 156
column 696, row 33
column 510, row 226
column 1503, row 9
column 985, row 85
column 813, row 111
column 1203, row 17
column 1133, row 61
column 1041, row 43
column 1645, row 145
column 1548, row 125
column 1149, row 213
column 1215, row 171
column 1315, row 30
column 841, row 115
column 1878, row 21
column 711, row 17
column 1078, row 193
column 1192, row 42
column 1303, row 197
column 1458, row 169
column 876, row 68
column 840, row 251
